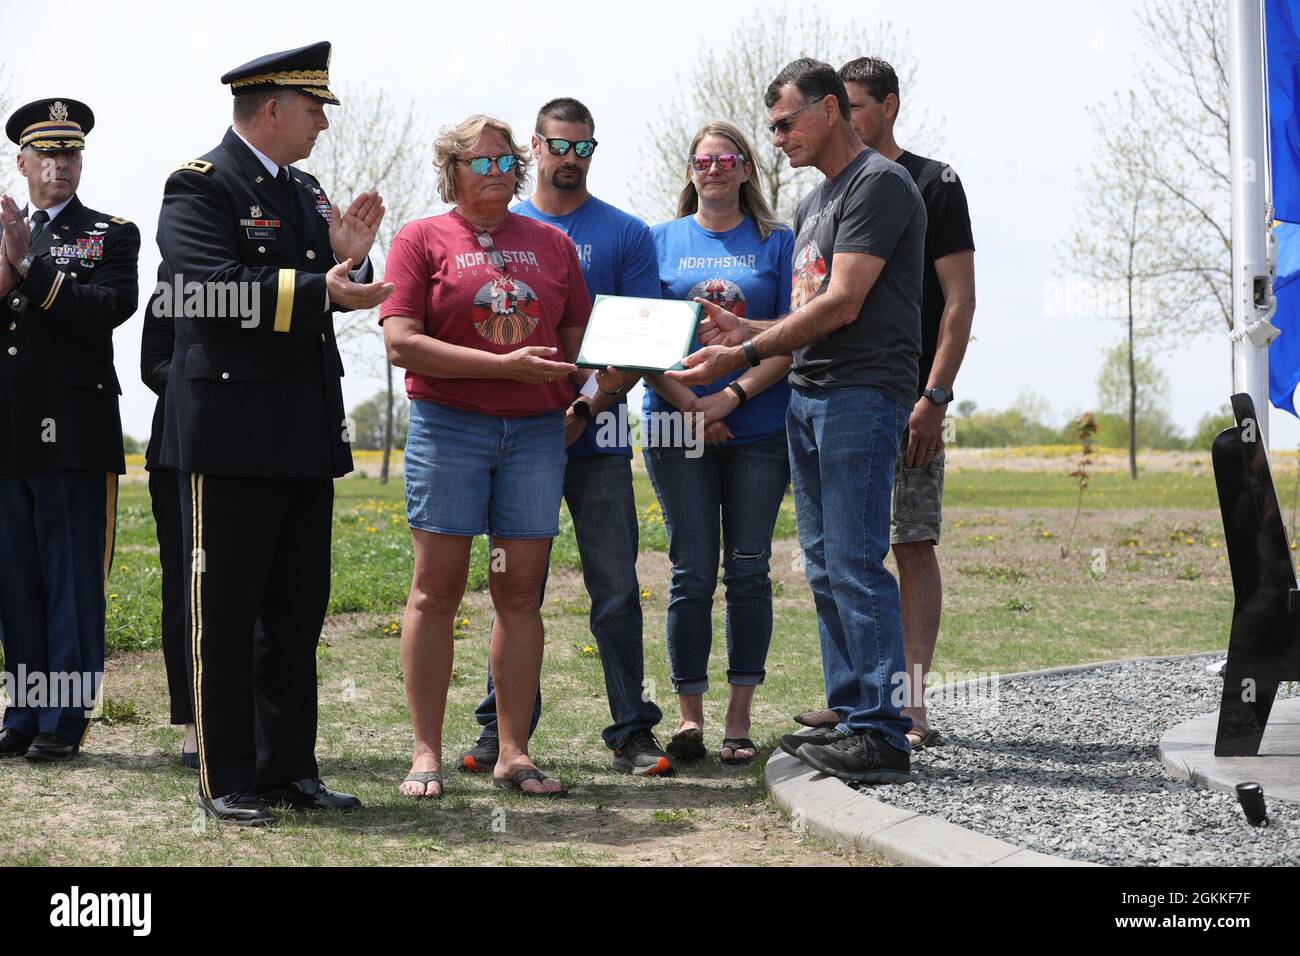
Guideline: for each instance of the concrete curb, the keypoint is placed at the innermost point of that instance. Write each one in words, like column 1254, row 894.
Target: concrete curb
column 838, row 813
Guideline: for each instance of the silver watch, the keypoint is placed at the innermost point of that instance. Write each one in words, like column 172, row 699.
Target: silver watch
column 23, row 267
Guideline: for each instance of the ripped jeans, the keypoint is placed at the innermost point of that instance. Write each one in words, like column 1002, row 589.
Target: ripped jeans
column 733, row 492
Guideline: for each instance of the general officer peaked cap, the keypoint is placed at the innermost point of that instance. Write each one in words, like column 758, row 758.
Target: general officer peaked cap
column 53, row 124
column 305, row 70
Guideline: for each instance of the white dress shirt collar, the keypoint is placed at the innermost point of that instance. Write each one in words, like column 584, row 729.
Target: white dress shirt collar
column 271, row 165
column 53, row 210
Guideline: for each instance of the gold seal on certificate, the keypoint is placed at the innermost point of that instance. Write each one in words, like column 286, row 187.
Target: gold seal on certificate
column 651, row 335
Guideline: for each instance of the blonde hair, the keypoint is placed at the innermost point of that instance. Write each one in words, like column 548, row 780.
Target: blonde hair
column 456, row 140
column 752, row 202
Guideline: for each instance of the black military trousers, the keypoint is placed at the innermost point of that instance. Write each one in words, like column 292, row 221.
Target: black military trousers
column 56, row 548
column 165, row 495
column 257, row 550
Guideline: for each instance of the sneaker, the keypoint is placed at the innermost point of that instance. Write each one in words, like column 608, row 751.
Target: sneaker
column 641, row 755
column 482, row 757
column 860, row 758
column 791, row 743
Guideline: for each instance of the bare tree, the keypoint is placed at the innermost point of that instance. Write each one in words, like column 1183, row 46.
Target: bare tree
column 731, row 87
column 377, row 144
column 6, row 107
column 1183, row 117
column 1120, row 245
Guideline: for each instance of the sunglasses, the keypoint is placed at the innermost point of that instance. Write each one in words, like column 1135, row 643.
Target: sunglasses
column 482, row 165
column 783, row 125
column 703, row 162
column 582, row 148
column 494, row 257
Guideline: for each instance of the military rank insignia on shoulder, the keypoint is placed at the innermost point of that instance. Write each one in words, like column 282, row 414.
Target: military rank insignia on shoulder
column 120, row 222
column 194, row 166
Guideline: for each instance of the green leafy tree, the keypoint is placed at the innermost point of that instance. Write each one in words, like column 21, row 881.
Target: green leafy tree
column 1134, row 391
column 1208, row 428
column 371, row 419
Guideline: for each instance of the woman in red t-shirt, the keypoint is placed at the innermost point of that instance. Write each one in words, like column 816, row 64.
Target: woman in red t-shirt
column 486, row 317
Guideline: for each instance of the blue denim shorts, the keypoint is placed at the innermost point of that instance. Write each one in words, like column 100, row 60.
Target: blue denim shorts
column 469, row 474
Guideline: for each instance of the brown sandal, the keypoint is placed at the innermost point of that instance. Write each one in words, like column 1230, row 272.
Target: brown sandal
column 922, row 735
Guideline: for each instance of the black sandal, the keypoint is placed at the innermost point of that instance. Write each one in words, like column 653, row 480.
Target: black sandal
column 515, row 783
column 738, row 743
column 425, row 777
column 687, row 745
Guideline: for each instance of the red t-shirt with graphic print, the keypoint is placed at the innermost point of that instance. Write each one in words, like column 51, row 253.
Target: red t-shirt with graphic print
column 443, row 277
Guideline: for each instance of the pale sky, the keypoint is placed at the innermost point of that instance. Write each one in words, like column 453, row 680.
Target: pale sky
column 1010, row 81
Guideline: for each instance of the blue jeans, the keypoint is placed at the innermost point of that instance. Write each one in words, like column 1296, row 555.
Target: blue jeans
column 598, row 489
column 736, row 490
column 844, row 443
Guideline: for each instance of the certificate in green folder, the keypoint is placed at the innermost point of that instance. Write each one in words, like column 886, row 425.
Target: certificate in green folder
column 647, row 335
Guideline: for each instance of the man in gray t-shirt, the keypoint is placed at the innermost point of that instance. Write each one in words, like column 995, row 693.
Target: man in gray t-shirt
column 872, row 207
column 855, row 331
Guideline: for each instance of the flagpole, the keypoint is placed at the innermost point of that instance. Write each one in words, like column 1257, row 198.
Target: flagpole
column 1251, row 279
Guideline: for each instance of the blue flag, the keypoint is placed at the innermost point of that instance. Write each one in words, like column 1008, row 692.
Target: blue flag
column 1282, row 46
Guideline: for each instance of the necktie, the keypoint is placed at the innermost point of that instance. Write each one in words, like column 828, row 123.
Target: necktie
column 39, row 218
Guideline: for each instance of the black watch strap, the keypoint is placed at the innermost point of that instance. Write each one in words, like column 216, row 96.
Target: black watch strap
column 751, row 352
column 739, row 390
column 582, row 409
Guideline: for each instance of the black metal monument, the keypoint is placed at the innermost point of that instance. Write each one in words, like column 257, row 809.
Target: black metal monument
column 1264, row 646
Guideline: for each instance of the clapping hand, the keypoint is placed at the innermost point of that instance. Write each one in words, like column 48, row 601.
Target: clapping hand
column 17, row 238
column 349, row 295
column 353, row 233
column 8, row 277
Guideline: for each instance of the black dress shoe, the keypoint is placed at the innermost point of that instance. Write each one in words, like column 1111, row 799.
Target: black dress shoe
column 241, row 809
column 189, row 759
column 13, row 743
column 309, row 795
column 50, row 748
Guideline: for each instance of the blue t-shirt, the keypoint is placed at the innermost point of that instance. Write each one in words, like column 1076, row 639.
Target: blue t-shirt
column 744, row 275
column 618, row 258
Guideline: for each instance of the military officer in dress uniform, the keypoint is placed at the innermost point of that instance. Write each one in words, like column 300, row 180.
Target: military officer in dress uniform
column 254, row 425
column 68, row 278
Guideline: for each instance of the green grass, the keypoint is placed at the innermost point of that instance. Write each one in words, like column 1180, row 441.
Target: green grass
column 1011, row 603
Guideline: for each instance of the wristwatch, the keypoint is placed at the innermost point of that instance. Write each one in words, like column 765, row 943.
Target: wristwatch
column 582, row 409
column 751, row 352
column 939, row 395
column 23, row 267
column 740, row 391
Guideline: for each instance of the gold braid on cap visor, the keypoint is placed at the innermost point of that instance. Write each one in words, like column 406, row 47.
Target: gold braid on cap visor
column 284, row 78
column 52, row 135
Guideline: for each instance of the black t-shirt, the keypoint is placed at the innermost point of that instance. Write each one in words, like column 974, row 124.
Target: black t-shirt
column 947, row 231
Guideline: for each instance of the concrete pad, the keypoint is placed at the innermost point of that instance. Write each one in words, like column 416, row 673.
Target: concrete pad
column 1187, row 752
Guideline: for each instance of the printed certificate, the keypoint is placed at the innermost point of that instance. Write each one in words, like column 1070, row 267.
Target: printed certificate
column 650, row 335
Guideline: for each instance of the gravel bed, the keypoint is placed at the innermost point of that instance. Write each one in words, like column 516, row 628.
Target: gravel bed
column 1069, row 765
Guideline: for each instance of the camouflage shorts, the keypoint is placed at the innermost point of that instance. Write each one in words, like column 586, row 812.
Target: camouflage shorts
column 917, row 512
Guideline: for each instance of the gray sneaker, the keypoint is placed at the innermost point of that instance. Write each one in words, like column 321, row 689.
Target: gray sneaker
column 641, row 755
